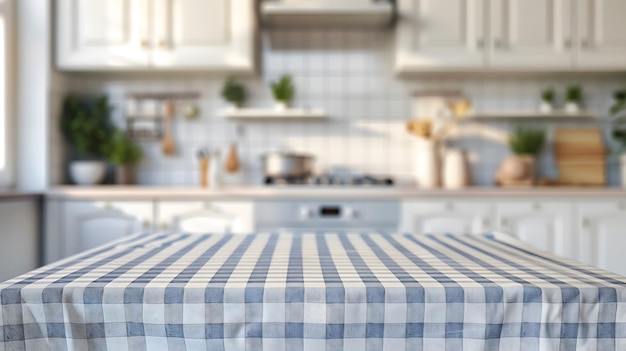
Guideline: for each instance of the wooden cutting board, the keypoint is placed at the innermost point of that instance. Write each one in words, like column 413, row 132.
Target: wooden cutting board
column 580, row 156
column 578, row 141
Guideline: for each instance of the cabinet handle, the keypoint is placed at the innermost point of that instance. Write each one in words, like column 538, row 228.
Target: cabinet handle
column 586, row 223
column 449, row 206
column 163, row 44
column 536, row 206
column 480, row 43
column 145, row 43
column 568, row 43
column 164, row 225
column 147, row 223
column 498, row 44
column 504, row 222
column 585, row 44
column 486, row 223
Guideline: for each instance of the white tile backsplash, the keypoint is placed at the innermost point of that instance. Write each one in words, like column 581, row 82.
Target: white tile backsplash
column 349, row 73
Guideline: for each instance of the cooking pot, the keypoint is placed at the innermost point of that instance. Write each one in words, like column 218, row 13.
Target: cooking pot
column 284, row 164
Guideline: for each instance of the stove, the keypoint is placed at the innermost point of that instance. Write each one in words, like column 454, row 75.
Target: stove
column 332, row 180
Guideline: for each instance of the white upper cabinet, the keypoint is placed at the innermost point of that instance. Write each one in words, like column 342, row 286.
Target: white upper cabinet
column 156, row 34
column 510, row 35
column 204, row 33
column 435, row 34
column 102, row 34
column 545, row 226
column 602, row 38
column 534, row 34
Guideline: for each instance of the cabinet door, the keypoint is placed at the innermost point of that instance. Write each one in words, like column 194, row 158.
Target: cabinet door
column 19, row 234
column 545, row 226
column 210, row 34
column 90, row 224
column 206, row 217
column 602, row 235
column 602, row 42
column 436, row 217
column 436, row 34
column 531, row 34
column 102, row 34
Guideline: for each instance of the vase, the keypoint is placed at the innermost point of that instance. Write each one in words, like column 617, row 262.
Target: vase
column 572, row 107
column 455, row 173
column 87, row 172
column 427, row 171
column 126, row 174
column 545, row 107
column 280, row 106
column 516, row 170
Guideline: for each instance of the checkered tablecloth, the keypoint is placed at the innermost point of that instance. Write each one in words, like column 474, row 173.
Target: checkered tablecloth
column 332, row 291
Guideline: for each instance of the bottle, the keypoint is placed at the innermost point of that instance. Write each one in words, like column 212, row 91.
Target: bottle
column 215, row 176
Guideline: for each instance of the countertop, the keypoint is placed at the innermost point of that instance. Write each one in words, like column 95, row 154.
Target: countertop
column 11, row 194
column 324, row 192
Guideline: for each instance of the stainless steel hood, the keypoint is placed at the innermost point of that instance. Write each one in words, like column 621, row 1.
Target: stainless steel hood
column 344, row 13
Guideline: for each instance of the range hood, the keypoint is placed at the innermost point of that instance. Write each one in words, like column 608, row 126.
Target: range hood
column 344, row 13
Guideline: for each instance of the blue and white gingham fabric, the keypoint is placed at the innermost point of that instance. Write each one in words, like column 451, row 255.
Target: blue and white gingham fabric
column 361, row 291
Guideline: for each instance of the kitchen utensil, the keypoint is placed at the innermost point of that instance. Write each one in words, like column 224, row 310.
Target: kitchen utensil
column 232, row 160
column 455, row 174
column 167, row 144
column 203, row 162
column 284, row 164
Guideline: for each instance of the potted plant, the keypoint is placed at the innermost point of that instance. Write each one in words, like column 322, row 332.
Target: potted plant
column 520, row 168
column 124, row 153
column 547, row 101
column 573, row 99
column 234, row 92
column 283, row 91
column 619, row 129
column 86, row 126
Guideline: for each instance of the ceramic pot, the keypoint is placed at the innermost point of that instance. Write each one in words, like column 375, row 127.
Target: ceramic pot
column 572, row 107
column 87, row 172
column 622, row 161
column 126, row 174
column 280, row 106
column 455, row 173
column 545, row 107
column 516, row 170
column 427, row 163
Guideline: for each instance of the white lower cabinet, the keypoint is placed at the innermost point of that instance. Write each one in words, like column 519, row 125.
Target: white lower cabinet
column 88, row 224
column 602, row 227
column 546, row 226
column 206, row 216
column 19, row 234
column 454, row 217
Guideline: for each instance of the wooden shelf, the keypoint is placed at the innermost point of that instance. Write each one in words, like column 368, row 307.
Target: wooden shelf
column 273, row 114
column 556, row 115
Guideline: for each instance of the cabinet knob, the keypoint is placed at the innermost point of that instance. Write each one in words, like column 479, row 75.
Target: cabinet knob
column 164, row 225
column 480, row 43
column 449, row 206
column 146, row 223
column 504, row 222
column 498, row 43
column 568, row 43
column 586, row 223
column 145, row 43
column 586, row 44
column 163, row 43
column 486, row 223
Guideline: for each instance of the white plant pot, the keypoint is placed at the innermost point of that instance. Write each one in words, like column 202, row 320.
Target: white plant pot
column 427, row 172
column 622, row 162
column 572, row 107
column 280, row 106
column 545, row 107
column 87, row 172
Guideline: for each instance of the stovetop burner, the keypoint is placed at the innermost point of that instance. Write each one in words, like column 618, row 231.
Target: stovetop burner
column 328, row 179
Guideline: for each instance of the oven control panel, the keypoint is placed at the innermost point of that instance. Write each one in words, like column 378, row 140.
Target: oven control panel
column 330, row 215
